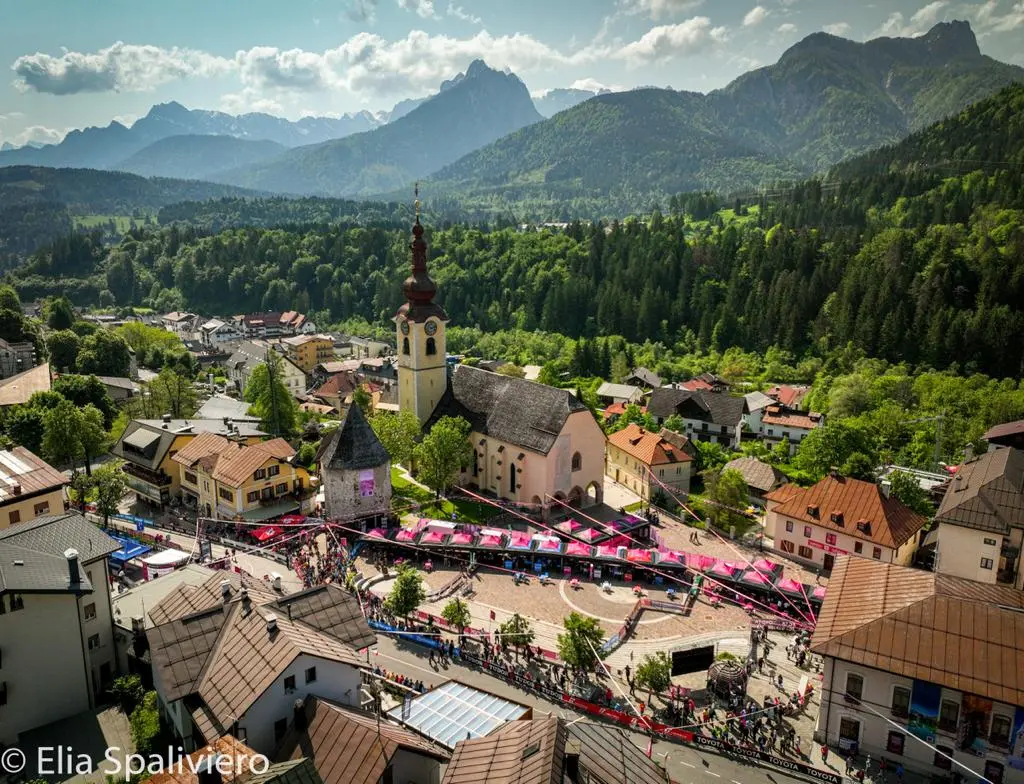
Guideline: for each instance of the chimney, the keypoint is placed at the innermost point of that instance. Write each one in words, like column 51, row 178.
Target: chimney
column 968, row 453
column 208, row 770
column 275, row 580
column 571, row 761
column 167, row 418
column 885, row 487
column 74, row 575
column 271, row 620
column 16, row 489
column 300, row 716
column 225, row 589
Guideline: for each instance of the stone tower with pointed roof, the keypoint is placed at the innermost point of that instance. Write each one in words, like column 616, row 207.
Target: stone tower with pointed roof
column 420, row 330
column 355, row 470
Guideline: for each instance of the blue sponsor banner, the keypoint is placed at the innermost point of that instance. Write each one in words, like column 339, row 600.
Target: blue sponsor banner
column 924, row 710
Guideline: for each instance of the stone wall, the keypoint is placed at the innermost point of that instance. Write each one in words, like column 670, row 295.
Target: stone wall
column 344, row 492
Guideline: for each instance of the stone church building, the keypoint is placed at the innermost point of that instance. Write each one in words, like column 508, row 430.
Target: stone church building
column 534, row 444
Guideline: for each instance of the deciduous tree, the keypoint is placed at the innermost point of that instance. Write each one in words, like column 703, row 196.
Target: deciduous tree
column 516, row 631
column 457, row 613
column 398, row 433
column 654, row 673
column 111, row 485
column 407, row 593
column 580, row 645
column 271, row 401
column 442, row 453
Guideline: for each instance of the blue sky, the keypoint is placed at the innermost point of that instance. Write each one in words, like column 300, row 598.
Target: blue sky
column 75, row 63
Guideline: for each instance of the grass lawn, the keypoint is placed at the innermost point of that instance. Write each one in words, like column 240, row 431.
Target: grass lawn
column 465, row 511
column 635, row 506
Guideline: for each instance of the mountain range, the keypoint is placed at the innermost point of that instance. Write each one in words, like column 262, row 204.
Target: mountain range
column 825, row 100
column 482, row 139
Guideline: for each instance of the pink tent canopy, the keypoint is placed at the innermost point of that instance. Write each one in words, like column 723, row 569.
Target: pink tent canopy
column 607, row 551
column 461, row 538
column 569, row 526
column 292, row 519
column 619, row 541
column 489, row 541
column 588, row 535
column 765, row 566
column 790, row 586
column 640, row 556
column 699, row 562
column 376, row 533
column 670, row 557
column 722, row 569
column 615, row 525
column 551, row 545
column 578, row 548
column 750, row 577
column 405, row 535
column 433, row 537
column 818, row 593
column 266, row 533
column 519, row 541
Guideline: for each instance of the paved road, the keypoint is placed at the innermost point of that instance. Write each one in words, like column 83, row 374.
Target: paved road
column 685, row 764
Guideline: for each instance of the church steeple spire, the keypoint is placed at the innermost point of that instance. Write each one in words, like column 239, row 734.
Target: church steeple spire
column 419, row 289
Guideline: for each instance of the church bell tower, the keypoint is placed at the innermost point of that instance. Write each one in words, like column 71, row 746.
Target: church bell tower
column 420, row 327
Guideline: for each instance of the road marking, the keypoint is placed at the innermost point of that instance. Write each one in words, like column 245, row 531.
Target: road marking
column 712, row 773
column 735, row 782
column 687, row 764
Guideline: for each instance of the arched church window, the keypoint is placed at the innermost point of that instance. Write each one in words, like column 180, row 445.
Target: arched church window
column 431, row 346
column 405, row 345
column 577, row 461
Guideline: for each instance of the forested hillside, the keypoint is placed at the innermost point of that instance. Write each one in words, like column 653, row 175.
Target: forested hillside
column 908, row 265
column 38, row 204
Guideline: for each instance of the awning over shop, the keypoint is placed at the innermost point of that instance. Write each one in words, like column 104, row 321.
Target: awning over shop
column 271, row 511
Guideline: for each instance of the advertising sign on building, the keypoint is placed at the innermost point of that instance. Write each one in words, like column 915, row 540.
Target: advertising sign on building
column 366, row 483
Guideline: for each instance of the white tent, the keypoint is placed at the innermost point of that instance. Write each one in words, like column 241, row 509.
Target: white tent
column 163, row 562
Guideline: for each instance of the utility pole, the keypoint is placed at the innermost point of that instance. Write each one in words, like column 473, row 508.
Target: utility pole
column 271, row 379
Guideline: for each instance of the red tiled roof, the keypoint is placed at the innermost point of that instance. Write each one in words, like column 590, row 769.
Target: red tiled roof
column 649, row 448
column 618, row 409
column 341, row 384
column 788, row 395
column 891, row 524
column 695, row 385
column 775, row 415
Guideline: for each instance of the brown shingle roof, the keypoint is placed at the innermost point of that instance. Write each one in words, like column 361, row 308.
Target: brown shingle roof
column 227, row 655
column 788, row 395
column 891, row 523
column 226, row 746
column 502, row 757
column 19, row 467
column 756, row 474
column 1005, row 429
column 987, row 494
column 230, row 462
column 19, row 388
column 348, row 746
column 532, row 752
column 647, row 447
column 949, row 631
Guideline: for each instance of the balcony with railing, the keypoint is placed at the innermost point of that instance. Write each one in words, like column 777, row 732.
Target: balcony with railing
column 157, row 479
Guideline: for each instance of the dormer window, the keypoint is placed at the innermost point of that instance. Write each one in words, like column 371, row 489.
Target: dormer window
column 864, row 527
column 813, row 509
column 837, row 518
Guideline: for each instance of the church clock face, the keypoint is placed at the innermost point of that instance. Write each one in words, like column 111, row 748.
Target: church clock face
column 405, row 326
column 430, row 328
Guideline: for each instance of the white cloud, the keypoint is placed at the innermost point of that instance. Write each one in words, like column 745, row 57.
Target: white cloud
column 755, row 16
column 367, row 65
column 989, row 18
column 920, row 21
column 458, row 12
column 659, row 9
column 422, row 8
column 838, row 28
column 786, row 28
column 120, row 67
column 249, row 100
column 35, row 133
column 667, row 41
column 595, row 86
